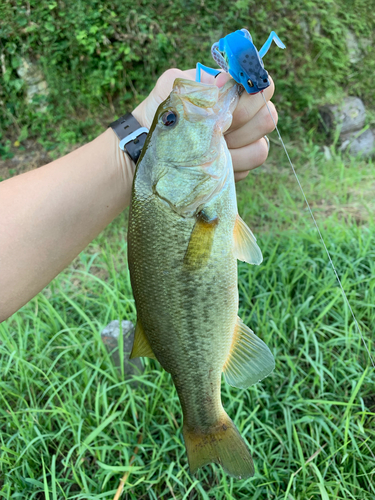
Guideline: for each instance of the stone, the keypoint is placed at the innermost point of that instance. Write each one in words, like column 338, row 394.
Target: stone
column 356, row 47
column 110, row 335
column 354, row 52
column 327, row 153
column 33, row 78
column 304, row 29
column 348, row 116
column 359, row 143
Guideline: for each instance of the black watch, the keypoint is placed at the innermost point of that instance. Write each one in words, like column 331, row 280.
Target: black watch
column 131, row 134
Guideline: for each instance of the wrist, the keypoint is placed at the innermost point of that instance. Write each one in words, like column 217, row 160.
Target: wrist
column 120, row 160
column 121, row 165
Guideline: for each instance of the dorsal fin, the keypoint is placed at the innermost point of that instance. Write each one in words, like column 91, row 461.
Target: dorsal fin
column 141, row 345
column 249, row 360
column 245, row 243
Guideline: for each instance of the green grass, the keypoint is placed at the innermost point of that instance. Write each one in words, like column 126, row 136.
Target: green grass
column 70, row 422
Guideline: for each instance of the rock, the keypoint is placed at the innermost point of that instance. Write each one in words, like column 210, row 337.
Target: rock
column 327, row 153
column 356, row 48
column 365, row 44
column 110, row 335
column 317, row 26
column 354, row 52
column 348, row 116
column 304, row 29
column 363, row 144
column 33, row 78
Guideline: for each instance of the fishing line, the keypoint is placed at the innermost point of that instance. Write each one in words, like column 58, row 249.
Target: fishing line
column 321, row 237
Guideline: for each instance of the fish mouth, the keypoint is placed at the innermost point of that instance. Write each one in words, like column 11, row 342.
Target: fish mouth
column 201, row 95
column 204, row 95
column 208, row 101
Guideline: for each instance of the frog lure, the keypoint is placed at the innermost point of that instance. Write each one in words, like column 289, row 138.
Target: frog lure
column 237, row 55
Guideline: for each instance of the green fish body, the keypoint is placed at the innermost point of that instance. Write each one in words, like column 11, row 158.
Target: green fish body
column 184, row 239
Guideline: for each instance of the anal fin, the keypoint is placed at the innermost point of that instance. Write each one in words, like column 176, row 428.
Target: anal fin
column 245, row 244
column 141, row 345
column 249, row 361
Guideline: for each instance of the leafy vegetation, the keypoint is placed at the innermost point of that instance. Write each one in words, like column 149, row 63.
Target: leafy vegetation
column 101, row 58
column 69, row 422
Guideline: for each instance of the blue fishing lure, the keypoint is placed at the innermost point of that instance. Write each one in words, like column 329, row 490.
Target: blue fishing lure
column 237, row 55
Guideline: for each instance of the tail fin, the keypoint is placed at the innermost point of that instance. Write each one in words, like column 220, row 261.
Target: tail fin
column 223, row 445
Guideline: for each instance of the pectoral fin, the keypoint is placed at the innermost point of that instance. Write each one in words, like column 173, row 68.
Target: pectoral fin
column 141, row 346
column 245, row 244
column 200, row 244
column 249, row 361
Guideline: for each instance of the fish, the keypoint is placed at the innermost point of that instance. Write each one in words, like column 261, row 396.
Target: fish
column 184, row 239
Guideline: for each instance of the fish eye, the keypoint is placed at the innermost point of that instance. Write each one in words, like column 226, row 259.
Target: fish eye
column 169, row 118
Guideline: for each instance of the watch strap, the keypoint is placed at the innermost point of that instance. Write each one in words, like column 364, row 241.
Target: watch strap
column 131, row 134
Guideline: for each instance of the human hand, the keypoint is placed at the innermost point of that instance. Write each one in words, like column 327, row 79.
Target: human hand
column 251, row 119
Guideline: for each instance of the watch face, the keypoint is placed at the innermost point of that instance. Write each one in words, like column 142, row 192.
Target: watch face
column 134, row 148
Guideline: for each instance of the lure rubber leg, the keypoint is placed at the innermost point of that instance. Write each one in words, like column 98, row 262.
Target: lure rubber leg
column 272, row 37
column 247, row 34
column 218, row 57
column 208, row 70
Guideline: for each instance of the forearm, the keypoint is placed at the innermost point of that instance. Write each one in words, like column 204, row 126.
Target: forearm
column 49, row 215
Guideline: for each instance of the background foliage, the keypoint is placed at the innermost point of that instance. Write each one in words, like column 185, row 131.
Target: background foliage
column 100, row 58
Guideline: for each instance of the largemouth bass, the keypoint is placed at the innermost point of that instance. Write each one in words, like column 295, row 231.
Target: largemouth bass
column 184, row 239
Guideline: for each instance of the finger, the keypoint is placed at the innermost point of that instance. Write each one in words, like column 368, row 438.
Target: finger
column 259, row 126
column 238, row 176
column 249, row 105
column 249, row 157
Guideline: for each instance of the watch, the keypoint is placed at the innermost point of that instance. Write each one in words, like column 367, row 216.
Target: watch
column 131, row 134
